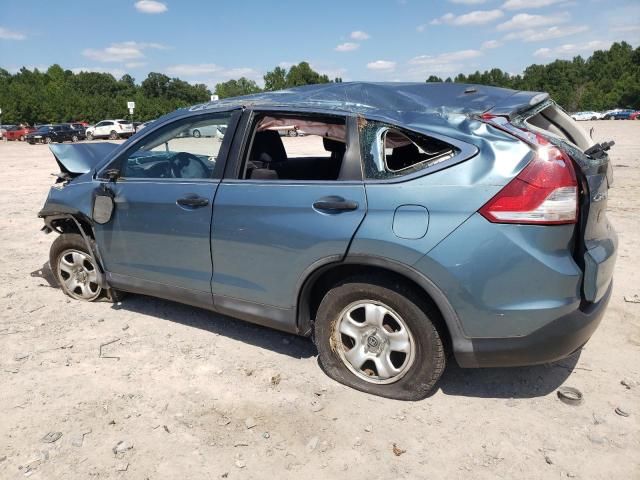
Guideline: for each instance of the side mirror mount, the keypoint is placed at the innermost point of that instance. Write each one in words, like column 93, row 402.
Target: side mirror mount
column 102, row 205
column 112, row 174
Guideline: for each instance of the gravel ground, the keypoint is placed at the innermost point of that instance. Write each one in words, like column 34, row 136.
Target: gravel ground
column 191, row 394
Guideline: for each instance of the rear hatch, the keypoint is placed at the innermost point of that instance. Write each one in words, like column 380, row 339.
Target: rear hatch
column 596, row 240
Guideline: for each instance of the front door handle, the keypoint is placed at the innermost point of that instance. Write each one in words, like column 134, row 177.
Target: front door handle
column 193, row 201
column 334, row 204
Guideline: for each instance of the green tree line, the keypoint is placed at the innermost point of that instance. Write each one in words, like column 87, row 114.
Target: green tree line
column 607, row 79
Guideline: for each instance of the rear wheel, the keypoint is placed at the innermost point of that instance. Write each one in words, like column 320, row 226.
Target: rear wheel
column 47, row 140
column 379, row 337
column 113, row 135
column 196, row 134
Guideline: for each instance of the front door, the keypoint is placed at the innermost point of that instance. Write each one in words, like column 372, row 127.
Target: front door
column 159, row 234
column 290, row 205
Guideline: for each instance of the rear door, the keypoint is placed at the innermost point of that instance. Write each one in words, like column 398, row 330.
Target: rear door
column 275, row 219
column 597, row 242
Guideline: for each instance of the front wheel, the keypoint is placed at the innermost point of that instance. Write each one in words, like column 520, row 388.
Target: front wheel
column 22, row 138
column 48, row 140
column 74, row 139
column 74, row 267
column 380, row 337
column 89, row 136
column 196, row 134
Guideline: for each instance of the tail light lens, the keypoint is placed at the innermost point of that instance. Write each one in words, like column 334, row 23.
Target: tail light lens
column 545, row 192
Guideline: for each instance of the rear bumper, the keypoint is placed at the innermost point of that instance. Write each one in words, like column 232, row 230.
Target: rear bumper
column 556, row 340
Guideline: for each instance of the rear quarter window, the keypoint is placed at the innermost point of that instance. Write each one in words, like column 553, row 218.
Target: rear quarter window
column 391, row 152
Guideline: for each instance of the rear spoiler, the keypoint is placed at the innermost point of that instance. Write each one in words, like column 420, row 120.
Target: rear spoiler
column 76, row 159
column 517, row 103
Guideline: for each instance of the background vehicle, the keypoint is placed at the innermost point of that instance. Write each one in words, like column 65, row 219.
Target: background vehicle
column 4, row 128
column 53, row 133
column 206, row 131
column 587, row 115
column 619, row 114
column 17, row 133
column 112, row 129
column 144, row 125
column 635, row 115
column 80, row 129
column 391, row 241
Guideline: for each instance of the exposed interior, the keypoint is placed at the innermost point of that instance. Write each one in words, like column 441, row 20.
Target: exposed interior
column 553, row 120
column 402, row 153
column 274, row 155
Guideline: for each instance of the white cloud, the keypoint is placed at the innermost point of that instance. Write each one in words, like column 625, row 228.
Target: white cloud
column 120, row 52
column 520, row 4
column 445, row 57
column 360, row 35
column 444, row 63
column 150, row 6
column 537, row 35
column 381, row 65
column 478, row 17
column 116, row 72
column 217, row 73
column 468, row 2
column 491, row 44
column 6, row 34
column 527, row 21
column 347, row 47
column 135, row 64
column 570, row 50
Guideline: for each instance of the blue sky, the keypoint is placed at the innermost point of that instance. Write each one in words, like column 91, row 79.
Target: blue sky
column 212, row 41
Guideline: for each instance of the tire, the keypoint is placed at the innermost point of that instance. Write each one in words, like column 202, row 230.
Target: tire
column 113, row 135
column 22, row 138
column 593, row 118
column 89, row 136
column 74, row 139
column 196, row 134
column 62, row 253
column 403, row 316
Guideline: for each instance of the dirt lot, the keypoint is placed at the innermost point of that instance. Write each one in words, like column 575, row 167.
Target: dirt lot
column 195, row 395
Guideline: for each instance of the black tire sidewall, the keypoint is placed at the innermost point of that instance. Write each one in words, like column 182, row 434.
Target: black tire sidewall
column 65, row 242
column 428, row 363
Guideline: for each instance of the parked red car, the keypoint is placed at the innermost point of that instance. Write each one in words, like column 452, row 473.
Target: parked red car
column 635, row 115
column 18, row 133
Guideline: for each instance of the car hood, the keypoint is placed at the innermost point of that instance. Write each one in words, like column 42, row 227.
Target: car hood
column 77, row 159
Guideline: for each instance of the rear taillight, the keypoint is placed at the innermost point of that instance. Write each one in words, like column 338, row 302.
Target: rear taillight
column 545, row 192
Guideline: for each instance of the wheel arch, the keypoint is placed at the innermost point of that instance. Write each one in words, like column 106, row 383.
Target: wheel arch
column 323, row 275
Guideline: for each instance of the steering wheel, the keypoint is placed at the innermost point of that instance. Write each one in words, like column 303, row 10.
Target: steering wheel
column 182, row 159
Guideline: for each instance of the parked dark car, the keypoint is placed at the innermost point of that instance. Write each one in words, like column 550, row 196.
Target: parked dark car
column 81, row 129
column 53, row 133
column 621, row 114
column 419, row 219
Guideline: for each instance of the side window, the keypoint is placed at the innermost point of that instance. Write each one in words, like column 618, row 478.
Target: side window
column 99, row 124
column 390, row 152
column 287, row 147
column 184, row 149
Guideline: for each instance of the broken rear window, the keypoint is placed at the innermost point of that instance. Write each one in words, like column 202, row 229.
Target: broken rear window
column 390, row 152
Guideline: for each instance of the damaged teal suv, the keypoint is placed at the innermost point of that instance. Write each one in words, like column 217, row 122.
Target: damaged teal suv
column 410, row 221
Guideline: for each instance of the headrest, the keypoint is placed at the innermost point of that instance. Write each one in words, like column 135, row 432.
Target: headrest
column 269, row 142
column 333, row 146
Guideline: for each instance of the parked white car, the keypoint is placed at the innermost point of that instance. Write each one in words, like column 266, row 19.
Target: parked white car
column 112, row 129
column 215, row 131
column 587, row 116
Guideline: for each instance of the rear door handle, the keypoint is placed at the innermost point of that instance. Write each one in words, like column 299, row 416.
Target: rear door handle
column 334, row 204
column 193, row 201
